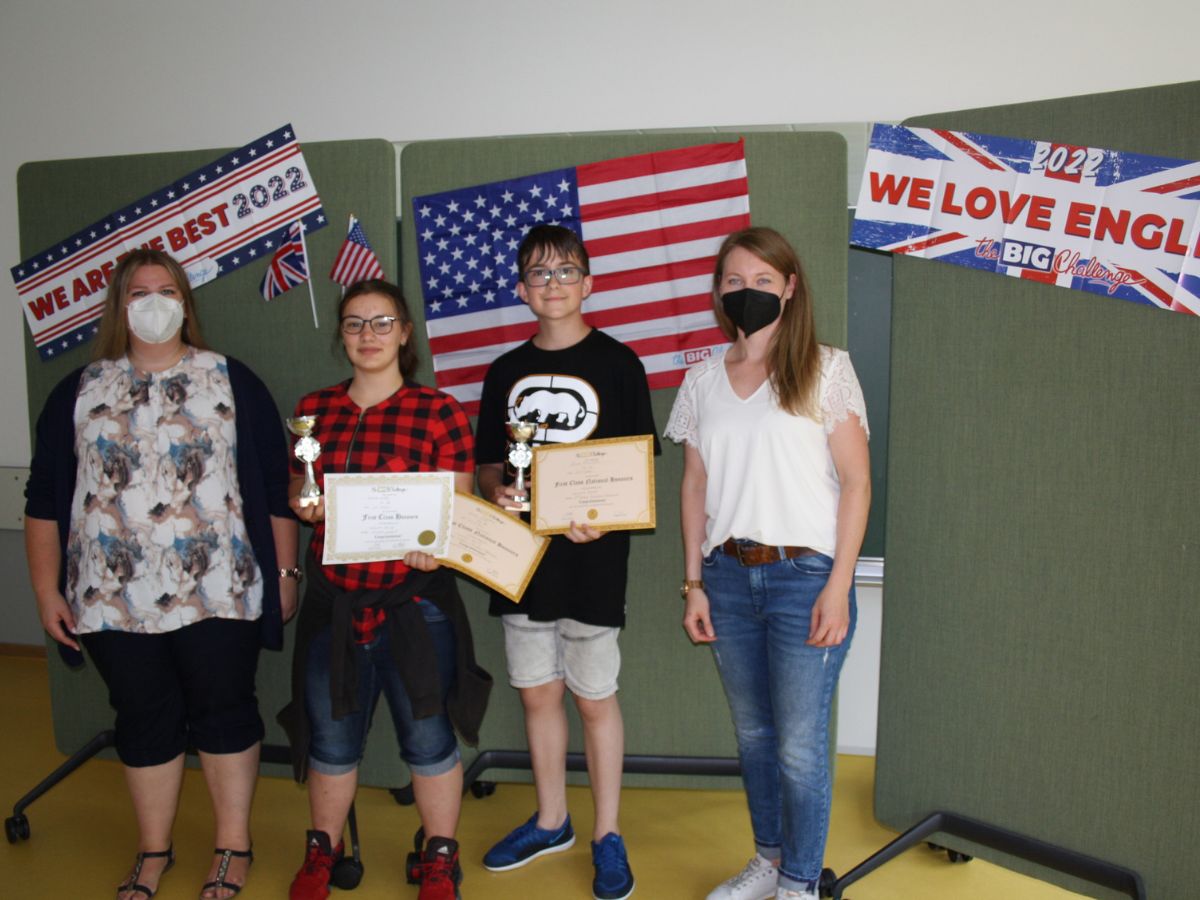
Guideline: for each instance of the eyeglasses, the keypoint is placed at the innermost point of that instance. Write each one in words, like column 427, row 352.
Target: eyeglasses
column 379, row 324
column 563, row 275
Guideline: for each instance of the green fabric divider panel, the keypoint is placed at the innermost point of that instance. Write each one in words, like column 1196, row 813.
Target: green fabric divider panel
column 275, row 339
column 1039, row 666
column 670, row 694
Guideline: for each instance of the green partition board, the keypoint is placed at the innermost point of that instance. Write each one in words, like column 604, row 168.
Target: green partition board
column 276, row 339
column 1039, row 666
column 670, row 695
column 868, row 338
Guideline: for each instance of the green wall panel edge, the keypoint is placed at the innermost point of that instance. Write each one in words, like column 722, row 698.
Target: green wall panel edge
column 1038, row 663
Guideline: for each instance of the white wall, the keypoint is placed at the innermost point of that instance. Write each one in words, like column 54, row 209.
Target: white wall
column 132, row 76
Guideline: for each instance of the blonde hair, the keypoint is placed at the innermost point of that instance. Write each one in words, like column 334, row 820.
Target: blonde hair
column 794, row 358
column 112, row 340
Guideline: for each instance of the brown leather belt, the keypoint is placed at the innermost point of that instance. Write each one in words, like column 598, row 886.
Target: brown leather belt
column 748, row 553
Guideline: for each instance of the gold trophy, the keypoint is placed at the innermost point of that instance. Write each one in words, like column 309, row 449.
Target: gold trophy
column 307, row 449
column 520, row 457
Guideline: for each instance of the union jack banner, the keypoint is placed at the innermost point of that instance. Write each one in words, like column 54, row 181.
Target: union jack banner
column 1120, row 224
column 289, row 265
column 355, row 260
column 652, row 225
column 227, row 214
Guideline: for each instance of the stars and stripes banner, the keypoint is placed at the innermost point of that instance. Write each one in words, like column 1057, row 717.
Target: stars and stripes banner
column 289, row 265
column 652, row 225
column 1120, row 224
column 355, row 260
column 227, row 214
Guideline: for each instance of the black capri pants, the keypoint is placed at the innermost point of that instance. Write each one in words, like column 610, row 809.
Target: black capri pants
column 189, row 687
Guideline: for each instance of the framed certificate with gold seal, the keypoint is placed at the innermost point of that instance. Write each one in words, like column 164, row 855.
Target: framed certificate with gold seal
column 494, row 547
column 372, row 516
column 607, row 484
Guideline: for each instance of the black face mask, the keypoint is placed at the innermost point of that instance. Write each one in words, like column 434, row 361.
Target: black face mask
column 751, row 310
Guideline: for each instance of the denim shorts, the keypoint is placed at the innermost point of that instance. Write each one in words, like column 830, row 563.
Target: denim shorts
column 585, row 656
column 427, row 745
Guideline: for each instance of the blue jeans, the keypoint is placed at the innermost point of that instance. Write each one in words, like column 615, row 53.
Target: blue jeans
column 780, row 691
column 336, row 746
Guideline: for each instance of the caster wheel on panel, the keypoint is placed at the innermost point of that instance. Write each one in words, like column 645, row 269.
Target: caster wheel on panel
column 347, row 873
column 481, row 789
column 16, row 828
column 825, row 885
column 412, row 865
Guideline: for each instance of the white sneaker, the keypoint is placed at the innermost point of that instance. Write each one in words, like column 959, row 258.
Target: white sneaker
column 755, row 882
column 792, row 894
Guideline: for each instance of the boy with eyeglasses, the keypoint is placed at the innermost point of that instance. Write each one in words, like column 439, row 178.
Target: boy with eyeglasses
column 576, row 383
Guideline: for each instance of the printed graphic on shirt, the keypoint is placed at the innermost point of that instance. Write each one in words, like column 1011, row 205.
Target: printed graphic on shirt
column 566, row 408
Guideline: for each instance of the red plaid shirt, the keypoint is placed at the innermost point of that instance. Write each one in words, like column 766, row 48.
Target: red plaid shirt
column 417, row 429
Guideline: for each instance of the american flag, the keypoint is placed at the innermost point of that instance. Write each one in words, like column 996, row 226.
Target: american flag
column 356, row 260
column 289, row 265
column 652, row 225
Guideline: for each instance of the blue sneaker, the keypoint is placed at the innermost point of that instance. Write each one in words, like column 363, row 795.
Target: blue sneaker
column 526, row 843
column 613, row 879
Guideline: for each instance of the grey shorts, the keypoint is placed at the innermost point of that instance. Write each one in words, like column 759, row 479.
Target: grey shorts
column 586, row 657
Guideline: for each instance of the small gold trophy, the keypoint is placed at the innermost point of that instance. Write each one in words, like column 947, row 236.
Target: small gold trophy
column 307, row 449
column 520, row 457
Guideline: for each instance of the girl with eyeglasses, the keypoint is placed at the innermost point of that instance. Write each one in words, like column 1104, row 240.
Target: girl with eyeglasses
column 393, row 627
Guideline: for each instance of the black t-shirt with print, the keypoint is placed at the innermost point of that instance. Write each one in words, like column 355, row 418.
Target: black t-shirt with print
column 591, row 390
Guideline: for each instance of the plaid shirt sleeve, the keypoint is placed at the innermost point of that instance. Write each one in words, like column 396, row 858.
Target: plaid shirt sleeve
column 455, row 444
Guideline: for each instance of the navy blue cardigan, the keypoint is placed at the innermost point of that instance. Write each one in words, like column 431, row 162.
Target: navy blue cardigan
column 262, row 469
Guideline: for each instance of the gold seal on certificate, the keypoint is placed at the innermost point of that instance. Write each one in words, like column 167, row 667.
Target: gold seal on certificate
column 606, row 484
column 493, row 547
column 520, row 457
column 307, row 449
column 372, row 516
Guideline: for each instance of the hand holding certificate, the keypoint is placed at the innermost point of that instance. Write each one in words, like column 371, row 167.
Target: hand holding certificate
column 607, row 484
column 383, row 515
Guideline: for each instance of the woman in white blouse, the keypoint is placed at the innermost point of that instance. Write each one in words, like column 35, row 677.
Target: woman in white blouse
column 774, row 501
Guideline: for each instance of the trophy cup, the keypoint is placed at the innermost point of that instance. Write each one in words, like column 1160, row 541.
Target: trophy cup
column 520, row 457
column 307, row 449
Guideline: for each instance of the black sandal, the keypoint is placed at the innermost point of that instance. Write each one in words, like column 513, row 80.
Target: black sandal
column 131, row 884
column 219, row 883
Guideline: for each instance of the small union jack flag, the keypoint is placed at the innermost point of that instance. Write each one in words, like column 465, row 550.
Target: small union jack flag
column 289, row 265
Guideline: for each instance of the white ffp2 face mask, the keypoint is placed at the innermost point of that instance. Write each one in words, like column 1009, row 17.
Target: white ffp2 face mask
column 155, row 318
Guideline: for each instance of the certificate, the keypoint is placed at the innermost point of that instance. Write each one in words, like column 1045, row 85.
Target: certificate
column 607, row 484
column 383, row 515
column 493, row 547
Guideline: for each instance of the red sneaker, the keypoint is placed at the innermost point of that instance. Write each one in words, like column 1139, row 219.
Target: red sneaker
column 312, row 881
column 440, row 871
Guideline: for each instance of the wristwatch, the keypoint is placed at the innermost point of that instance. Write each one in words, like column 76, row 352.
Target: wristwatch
column 687, row 585
column 293, row 572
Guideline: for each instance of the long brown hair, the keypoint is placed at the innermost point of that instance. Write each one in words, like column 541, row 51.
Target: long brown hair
column 112, row 340
column 794, row 358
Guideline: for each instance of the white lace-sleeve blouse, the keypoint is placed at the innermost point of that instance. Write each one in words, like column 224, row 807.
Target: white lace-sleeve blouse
column 771, row 476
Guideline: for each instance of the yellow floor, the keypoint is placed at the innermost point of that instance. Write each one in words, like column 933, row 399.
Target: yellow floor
column 681, row 842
